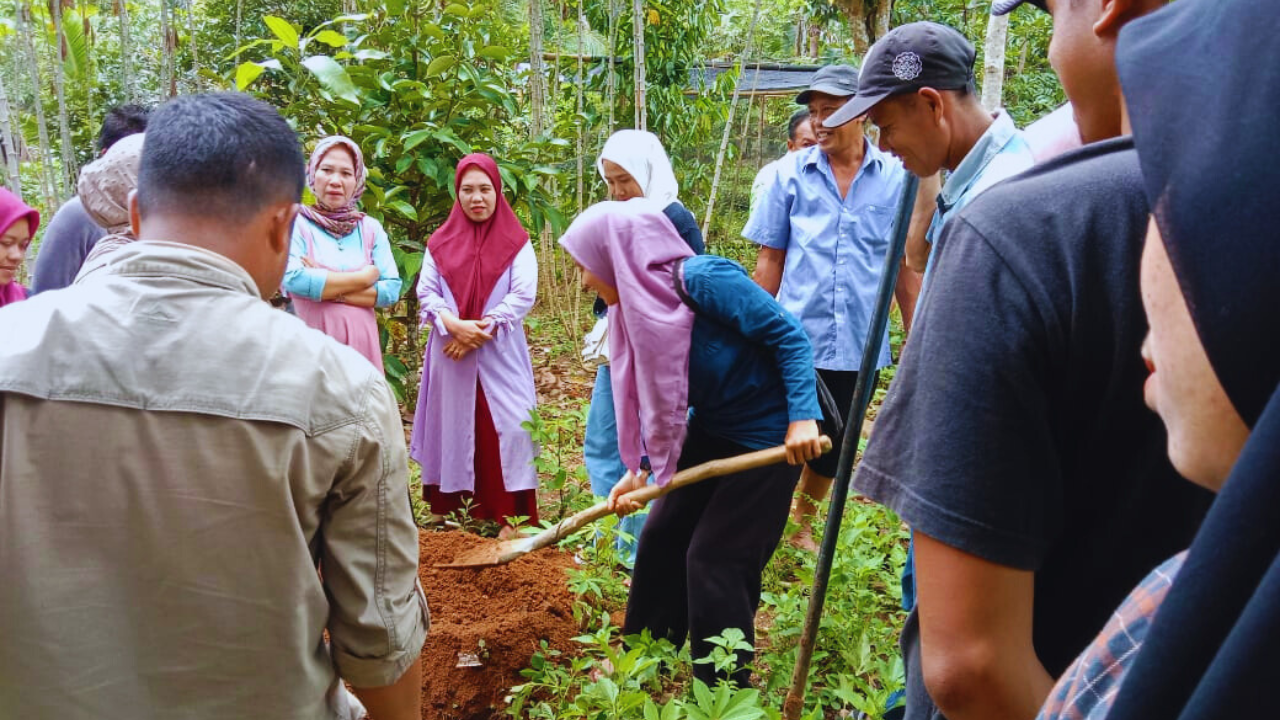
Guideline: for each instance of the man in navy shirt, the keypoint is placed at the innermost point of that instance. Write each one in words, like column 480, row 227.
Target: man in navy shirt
column 823, row 226
column 1014, row 440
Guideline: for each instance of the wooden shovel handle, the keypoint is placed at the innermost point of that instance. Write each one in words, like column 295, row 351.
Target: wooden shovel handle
column 695, row 474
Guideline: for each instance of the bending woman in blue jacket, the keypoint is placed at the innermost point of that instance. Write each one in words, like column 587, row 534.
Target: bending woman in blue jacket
column 722, row 372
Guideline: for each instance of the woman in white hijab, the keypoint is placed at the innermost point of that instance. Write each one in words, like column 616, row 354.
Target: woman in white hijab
column 633, row 165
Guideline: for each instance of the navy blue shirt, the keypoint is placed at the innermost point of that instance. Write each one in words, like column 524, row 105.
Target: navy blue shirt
column 750, row 364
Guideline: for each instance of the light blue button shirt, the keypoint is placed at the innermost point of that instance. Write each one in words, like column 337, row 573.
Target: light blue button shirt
column 835, row 247
column 345, row 254
column 1000, row 153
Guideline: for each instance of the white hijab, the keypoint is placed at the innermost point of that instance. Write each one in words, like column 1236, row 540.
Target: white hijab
column 640, row 153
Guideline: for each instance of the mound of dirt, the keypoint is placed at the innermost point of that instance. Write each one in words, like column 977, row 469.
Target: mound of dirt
column 490, row 621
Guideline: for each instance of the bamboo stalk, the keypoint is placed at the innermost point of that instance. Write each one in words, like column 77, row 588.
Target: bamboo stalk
column 637, row 29
column 13, row 177
column 68, row 178
column 728, row 126
column 42, row 127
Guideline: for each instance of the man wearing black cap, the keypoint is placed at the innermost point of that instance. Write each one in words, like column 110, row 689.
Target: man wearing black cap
column 1014, row 440
column 917, row 86
column 823, row 226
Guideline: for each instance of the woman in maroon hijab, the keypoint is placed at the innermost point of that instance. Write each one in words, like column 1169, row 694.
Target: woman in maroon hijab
column 479, row 279
column 18, row 223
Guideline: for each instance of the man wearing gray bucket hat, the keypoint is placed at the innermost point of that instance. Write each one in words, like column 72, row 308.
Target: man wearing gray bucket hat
column 823, row 226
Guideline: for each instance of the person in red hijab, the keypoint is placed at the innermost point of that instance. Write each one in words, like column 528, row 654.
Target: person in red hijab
column 18, row 223
column 479, row 280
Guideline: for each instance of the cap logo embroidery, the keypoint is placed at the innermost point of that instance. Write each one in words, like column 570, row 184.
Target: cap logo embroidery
column 907, row 66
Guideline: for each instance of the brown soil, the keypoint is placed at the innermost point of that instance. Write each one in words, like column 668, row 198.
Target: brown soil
column 498, row 614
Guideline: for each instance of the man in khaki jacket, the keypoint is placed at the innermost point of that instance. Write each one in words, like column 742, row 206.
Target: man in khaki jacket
column 177, row 459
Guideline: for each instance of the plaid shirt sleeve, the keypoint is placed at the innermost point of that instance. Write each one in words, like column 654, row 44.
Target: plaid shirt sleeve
column 1088, row 688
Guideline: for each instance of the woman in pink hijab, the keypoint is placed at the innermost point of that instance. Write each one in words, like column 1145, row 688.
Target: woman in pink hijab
column 340, row 262
column 18, row 223
column 706, row 365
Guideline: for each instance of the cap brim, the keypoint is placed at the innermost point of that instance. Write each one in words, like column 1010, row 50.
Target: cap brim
column 806, row 95
column 1004, row 7
column 855, row 108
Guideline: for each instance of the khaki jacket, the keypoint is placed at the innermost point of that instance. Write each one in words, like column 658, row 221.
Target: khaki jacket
column 176, row 460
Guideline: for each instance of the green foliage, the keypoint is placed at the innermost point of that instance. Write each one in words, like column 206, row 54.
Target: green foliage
column 557, row 432
column 610, row 679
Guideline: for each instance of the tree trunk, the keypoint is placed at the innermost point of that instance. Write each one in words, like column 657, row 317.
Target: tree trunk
column 126, row 53
column 993, row 65
column 537, row 72
column 815, row 39
column 68, row 179
column 638, row 20
column 195, row 53
column 7, row 147
column 166, row 59
column 577, row 120
column 91, row 74
column 239, row 14
column 613, row 53
column 33, row 61
column 868, row 21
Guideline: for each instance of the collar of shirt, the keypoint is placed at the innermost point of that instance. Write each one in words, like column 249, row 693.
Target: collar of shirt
column 992, row 142
column 176, row 260
column 872, row 161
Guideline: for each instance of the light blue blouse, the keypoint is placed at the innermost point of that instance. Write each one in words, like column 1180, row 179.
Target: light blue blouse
column 344, row 255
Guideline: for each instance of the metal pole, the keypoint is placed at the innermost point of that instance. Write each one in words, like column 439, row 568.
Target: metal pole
column 794, row 704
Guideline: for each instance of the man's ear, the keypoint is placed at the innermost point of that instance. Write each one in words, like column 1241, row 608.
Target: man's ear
column 932, row 100
column 1115, row 14
column 281, row 227
column 135, row 217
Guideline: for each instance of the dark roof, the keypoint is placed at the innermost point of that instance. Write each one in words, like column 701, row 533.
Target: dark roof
column 756, row 79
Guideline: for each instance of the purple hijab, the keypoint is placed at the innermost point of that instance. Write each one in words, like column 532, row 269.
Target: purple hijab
column 633, row 246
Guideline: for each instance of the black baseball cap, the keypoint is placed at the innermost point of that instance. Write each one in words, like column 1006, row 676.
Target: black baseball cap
column 910, row 57
column 837, row 80
column 1004, row 7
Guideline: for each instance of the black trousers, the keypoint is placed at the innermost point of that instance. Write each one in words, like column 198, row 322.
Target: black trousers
column 703, row 551
column 841, row 383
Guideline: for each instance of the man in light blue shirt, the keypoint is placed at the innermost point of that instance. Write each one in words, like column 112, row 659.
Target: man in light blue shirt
column 917, row 86
column 823, row 226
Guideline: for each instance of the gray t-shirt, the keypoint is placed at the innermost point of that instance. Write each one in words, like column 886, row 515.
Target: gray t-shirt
column 67, row 241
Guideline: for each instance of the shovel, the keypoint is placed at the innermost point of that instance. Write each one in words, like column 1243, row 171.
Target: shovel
column 504, row 552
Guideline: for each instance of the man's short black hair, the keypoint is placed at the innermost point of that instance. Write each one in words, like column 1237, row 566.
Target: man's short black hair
column 121, row 122
column 218, row 155
column 794, row 123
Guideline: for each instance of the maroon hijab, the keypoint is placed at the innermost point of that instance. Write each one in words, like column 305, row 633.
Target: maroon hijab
column 470, row 255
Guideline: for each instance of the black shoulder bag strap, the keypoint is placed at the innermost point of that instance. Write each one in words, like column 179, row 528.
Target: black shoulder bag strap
column 832, row 422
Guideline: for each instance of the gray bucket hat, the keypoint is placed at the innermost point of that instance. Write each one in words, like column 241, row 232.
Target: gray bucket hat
column 837, row 80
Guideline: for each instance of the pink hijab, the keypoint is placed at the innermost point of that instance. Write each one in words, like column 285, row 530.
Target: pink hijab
column 13, row 210
column 634, row 247
column 340, row 221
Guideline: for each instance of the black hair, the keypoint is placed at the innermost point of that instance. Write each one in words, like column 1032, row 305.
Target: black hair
column 121, row 122
column 218, row 155
column 794, row 123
